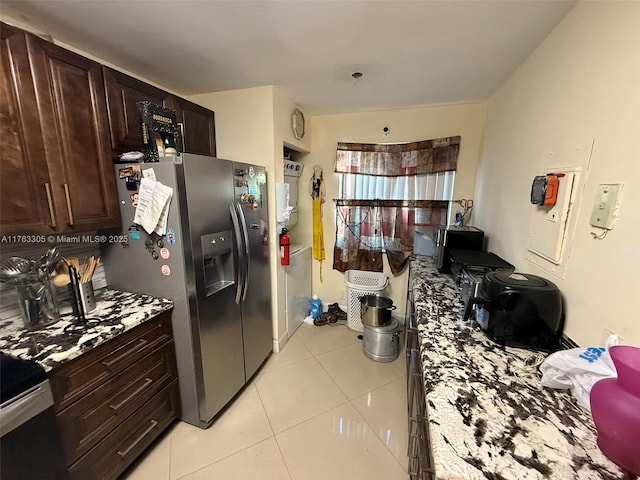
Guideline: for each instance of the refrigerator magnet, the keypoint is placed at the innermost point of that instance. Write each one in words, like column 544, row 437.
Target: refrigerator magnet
column 165, row 270
column 129, row 171
column 171, row 237
column 164, row 253
column 133, row 233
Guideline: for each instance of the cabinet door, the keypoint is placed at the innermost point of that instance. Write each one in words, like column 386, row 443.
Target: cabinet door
column 123, row 92
column 73, row 116
column 24, row 179
column 197, row 125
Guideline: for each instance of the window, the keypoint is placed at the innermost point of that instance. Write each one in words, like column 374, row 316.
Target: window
column 385, row 191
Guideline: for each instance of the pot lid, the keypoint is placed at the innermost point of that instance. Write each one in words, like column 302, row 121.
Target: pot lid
column 514, row 279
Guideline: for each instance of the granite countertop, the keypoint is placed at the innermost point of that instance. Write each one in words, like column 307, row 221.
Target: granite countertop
column 50, row 346
column 489, row 416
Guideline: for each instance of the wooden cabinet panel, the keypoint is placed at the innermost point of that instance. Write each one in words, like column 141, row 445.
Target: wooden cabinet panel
column 57, row 174
column 74, row 122
column 114, row 400
column 109, row 458
column 197, row 125
column 24, row 177
column 106, row 406
column 74, row 379
column 123, row 92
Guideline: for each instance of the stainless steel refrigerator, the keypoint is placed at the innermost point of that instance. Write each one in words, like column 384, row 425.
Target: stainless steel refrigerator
column 213, row 262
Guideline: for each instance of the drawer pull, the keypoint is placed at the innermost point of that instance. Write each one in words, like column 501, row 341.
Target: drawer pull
column 147, row 382
column 141, row 343
column 122, row 453
column 50, row 204
column 68, row 198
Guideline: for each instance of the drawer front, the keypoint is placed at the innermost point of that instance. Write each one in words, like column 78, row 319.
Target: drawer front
column 120, row 448
column 96, row 414
column 72, row 380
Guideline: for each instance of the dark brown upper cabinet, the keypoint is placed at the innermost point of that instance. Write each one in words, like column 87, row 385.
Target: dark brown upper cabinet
column 57, row 174
column 197, row 126
column 123, row 92
column 24, row 174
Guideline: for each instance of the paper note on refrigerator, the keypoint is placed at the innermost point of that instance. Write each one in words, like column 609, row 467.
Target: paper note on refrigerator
column 153, row 206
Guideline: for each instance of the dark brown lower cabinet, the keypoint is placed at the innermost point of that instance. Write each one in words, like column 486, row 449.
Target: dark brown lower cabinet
column 420, row 465
column 113, row 401
column 110, row 457
column 420, row 459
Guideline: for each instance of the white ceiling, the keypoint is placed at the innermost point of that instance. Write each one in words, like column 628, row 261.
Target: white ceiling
column 411, row 53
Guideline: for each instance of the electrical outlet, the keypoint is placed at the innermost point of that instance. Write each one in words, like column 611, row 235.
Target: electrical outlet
column 343, row 297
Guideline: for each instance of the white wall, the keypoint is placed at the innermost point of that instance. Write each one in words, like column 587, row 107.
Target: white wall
column 407, row 125
column 581, row 85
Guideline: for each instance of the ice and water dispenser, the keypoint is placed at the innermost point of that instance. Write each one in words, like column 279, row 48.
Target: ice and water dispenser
column 217, row 259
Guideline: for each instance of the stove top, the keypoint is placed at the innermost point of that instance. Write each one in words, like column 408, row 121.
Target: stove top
column 17, row 376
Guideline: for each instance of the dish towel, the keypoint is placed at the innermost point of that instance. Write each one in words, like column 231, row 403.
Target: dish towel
column 317, row 196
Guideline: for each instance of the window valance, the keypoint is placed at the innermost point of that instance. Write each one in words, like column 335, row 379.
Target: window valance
column 392, row 160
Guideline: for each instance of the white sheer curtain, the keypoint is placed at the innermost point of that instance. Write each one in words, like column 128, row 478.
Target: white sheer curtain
column 385, row 191
column 437, row 186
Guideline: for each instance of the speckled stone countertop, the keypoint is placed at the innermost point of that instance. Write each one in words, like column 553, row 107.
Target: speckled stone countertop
column 489, row 416
column 51, row 346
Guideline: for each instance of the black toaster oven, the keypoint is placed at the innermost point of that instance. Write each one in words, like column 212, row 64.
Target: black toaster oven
column 450, row 237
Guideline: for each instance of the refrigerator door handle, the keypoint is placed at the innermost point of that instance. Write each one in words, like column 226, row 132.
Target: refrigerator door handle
column 238, row 237
column 246, row 251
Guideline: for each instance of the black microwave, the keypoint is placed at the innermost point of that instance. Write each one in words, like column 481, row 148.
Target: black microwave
column 451, row 237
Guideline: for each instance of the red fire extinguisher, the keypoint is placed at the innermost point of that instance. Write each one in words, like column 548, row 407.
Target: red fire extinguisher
column 285, row 244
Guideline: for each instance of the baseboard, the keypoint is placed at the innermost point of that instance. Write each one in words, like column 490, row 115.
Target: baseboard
column 279, row 343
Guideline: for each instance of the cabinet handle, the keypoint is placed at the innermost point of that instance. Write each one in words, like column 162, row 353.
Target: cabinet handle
column 181, row 125
column 147, row 382
column 122, row 453
column 50, row 203
column 141, row 343
column 66, row 194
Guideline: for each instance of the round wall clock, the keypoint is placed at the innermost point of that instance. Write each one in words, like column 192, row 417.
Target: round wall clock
column 297, row 123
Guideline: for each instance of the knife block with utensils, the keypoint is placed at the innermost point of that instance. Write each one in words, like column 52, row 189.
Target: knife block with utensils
column 82, row 300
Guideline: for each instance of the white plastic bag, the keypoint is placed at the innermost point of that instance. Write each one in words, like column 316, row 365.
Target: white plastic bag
column 578, row 369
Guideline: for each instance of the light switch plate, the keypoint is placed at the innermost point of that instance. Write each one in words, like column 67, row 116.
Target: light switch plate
column 606, row 204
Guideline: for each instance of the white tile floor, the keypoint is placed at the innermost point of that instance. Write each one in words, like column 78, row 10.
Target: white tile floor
column 319, row 409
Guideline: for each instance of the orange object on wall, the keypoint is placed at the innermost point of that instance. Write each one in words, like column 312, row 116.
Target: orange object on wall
column 551, row 193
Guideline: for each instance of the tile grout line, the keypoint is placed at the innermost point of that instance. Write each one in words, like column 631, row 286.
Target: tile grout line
column 312, row 418
column 371, row 426
column 350, row 401
column 226, row 457
column 275, row 437
column 237, row 451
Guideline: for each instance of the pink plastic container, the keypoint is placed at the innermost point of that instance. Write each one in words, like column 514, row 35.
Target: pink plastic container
column 615, row 406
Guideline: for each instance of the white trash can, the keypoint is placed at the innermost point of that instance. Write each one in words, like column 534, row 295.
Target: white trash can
column 361, row 283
